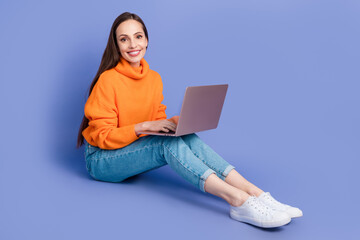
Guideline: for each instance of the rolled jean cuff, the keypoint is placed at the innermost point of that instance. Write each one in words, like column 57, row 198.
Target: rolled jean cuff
column 203, row 178
column 227, row 171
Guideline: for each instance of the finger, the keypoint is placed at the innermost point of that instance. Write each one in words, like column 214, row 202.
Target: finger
column 171, row 123
column 171, row 127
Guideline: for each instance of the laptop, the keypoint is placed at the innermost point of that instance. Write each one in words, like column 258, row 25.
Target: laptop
column 200, row 111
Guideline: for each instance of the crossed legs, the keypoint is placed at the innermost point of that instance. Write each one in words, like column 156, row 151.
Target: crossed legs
column 191, row 160
column 230, row 186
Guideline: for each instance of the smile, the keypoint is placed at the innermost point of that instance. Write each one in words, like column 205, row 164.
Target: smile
column 134, row 54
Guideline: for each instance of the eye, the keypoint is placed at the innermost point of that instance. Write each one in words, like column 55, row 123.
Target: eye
column 139, row 36
column 121, row 40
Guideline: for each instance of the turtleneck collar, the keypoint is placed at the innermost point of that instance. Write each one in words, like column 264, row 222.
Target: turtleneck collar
column 125, row 68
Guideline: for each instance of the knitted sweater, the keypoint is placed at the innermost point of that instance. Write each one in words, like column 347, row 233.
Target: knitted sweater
column 122, row 97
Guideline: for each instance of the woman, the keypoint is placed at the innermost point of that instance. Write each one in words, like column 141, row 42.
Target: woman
column 125, row 98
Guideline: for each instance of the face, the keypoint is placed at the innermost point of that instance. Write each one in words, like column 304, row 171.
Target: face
column 132, row 41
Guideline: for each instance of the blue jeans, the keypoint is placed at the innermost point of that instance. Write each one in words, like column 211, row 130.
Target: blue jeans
column 187, row 155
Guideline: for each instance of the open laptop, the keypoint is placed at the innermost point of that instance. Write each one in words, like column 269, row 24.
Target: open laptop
column 200, row 111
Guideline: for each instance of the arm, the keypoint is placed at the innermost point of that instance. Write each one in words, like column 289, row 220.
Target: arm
column 102, row 113
column 158, row 124
column 161, row 110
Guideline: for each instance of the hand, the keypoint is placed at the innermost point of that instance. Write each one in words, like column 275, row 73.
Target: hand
column 174, row 119
column 160, row 125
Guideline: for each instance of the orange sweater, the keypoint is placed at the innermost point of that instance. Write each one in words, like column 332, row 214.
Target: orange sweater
column 122, row 97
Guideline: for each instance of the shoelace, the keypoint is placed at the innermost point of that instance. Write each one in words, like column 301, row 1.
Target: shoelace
column 274, row 202
column 259, row 206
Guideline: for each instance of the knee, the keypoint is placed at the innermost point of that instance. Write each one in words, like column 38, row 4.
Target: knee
column 193, row 135
column 172, row 144
column 168, row 139
column 191, row 138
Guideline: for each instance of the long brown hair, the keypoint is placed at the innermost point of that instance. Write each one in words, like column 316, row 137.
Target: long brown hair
column 109, row 60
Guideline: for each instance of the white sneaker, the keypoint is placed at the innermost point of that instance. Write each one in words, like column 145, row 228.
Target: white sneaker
column 269, row 201
column 256, row 213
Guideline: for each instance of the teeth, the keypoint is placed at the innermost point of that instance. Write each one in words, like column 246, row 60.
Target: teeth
column 134, row 53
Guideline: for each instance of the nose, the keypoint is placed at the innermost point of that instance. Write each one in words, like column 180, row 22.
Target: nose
column 132, row 43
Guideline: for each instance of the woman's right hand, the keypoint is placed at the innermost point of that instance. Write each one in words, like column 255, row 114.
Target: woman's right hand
column 156, row 126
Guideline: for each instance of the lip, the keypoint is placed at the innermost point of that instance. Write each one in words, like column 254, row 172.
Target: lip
column 134, row 51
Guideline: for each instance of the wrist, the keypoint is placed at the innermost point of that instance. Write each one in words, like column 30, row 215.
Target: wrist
column 139, row 127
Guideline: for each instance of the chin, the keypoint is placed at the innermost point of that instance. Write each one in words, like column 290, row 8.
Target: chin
column 135, row 60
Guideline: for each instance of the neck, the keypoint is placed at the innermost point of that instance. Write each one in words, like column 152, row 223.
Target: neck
column 129, row 69
column 137, row 64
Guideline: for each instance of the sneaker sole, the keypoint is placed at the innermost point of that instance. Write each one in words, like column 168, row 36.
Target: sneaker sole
column 271, row 224
column 296, row 216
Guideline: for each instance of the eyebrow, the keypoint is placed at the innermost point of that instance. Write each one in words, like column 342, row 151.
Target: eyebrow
column 126, row 35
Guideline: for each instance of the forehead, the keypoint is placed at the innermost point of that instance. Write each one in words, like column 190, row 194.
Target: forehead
column 129, row 27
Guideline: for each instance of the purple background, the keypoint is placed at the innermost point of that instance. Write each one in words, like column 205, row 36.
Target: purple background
column 290, row 123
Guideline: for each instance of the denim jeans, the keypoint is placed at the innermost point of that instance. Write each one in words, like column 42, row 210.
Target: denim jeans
column 187, row 155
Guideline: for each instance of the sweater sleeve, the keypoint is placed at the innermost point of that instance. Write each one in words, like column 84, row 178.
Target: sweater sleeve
column 161, row 115
column 102, row 113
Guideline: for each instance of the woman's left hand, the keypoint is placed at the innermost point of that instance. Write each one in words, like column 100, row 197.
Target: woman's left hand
column 174, row 119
